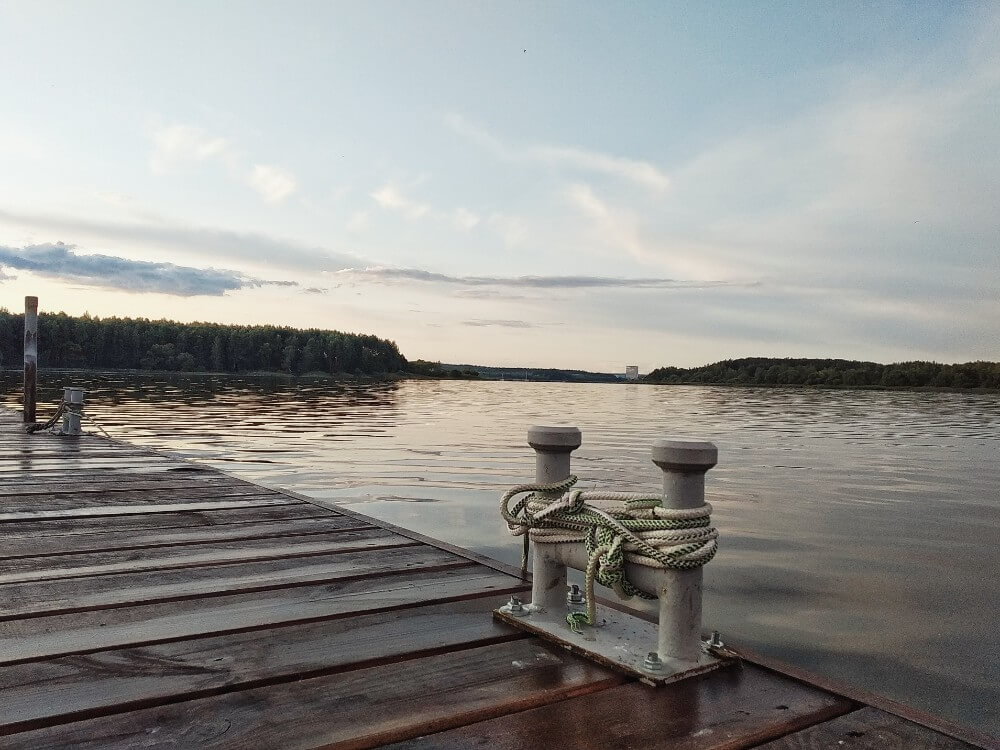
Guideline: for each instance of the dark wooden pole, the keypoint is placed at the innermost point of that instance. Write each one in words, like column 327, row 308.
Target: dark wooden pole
column 30, row 357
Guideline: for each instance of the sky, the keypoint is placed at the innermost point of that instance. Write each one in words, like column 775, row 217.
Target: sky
column 580, row 185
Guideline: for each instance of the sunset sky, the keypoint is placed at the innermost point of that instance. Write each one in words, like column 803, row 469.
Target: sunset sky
column 543, row 184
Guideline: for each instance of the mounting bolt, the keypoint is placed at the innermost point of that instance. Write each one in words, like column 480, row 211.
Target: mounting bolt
column 515, row 607
column 575, row 596
column 714, row 641
column 652, row 662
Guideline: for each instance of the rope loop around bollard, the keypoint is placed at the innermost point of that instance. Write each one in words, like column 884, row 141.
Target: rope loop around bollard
column 39, row 426
column 629, row 528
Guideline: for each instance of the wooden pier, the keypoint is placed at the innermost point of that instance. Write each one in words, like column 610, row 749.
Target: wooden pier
column 147, row 601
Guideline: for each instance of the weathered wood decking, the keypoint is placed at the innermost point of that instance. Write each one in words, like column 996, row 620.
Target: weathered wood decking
column 146, row 601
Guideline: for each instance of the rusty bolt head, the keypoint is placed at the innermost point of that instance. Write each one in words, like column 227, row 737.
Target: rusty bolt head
column 652, row 662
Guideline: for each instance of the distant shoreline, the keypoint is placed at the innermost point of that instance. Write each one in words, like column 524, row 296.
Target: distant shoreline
column 397, row 376
column 834, row 387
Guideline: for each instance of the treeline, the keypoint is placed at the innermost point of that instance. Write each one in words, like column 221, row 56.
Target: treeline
column 834, row 372
column 437, row 370
column 140, row 344
column 536, row 374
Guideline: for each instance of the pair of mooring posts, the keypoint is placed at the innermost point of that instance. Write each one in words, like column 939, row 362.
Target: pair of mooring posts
column 71, row 408
column 620, row 639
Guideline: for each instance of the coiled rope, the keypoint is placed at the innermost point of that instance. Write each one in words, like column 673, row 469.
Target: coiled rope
column 39, row 426
column 615, row 527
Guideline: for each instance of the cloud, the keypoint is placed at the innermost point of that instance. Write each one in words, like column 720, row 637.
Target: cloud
column 380, row 273
column 391, row 197
column 315, row 290
column 60, row 261
column 273, row 183
column 618, row 228
column 463, row 218
column 195, row 240
column 888, row 176
column 177, row 145
column 513, row 230
column 499, row 323
column 488, row 293
column 358, row 221
column 631, row 170
column 639, row 172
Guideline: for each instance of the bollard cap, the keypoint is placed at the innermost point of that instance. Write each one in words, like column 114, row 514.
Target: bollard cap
column 554, row 439
column 687, row 456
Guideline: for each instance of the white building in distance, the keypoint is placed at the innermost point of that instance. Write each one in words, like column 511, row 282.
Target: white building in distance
column 631, row 372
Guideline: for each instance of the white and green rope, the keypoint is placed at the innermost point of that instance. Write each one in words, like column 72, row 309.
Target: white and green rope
column 615, row 527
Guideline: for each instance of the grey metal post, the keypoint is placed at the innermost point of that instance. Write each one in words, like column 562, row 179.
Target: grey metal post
column 553, row 446
column 30, row 357
column 72, row 417
column 684, row 463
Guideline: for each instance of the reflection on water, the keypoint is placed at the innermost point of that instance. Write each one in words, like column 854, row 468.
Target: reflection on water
column 859, row 528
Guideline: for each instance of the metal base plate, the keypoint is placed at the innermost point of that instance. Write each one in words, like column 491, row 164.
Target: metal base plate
column 620, row 641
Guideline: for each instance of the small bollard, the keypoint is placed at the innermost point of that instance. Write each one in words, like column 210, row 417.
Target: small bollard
column 553, row 446
column 73, row 416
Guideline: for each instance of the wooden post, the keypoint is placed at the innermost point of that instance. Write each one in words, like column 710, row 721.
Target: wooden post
column 30, row 357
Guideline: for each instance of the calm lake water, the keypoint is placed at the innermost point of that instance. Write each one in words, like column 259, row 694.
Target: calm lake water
column 860, row 529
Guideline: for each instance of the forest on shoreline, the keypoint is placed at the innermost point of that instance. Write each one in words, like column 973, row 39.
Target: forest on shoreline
column 92, row 343
column 85, row 342
column 832, row 372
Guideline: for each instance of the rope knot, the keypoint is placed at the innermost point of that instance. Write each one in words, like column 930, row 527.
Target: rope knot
column 642, row 507
column 574, row 500
column 616, row 528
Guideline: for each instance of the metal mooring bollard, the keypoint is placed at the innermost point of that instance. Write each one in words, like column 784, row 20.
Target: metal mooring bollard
column 553, row 446
column 612, row 636
column 72, row 417
column 684, row 464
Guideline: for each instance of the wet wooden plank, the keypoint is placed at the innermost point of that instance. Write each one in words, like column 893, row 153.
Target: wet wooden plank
column 86, row 477
column 108, row 682
column 70, row 500
column 867, row 729
column 127, row 510
column 731, row 708
column 75, row 454
column 221, row 552
column 488, row 562
column 63, row 530
column 190, row 489
column 125, row 589
column 100, row 483
column 8, row 465
column 110, row 469
column 87, row 631
column 362, row 708
column 867, row 698
column 64, row 504
column 73, row 544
